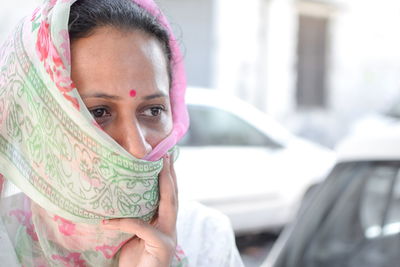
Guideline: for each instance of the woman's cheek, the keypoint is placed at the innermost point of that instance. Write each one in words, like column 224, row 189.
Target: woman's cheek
column 154, row 135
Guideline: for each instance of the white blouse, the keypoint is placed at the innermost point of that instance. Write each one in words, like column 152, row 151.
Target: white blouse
column 206, row 236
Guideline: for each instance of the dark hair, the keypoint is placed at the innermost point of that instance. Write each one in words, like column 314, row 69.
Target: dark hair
column 125, row 15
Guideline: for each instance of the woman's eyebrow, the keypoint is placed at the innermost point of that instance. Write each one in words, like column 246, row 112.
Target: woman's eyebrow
column 157, row 95
column 100, row 95
column 115, row 97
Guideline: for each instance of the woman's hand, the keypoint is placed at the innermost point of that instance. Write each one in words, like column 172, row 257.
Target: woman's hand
column 155, row 242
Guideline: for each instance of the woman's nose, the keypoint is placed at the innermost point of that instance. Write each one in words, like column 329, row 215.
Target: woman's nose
column 133, row 139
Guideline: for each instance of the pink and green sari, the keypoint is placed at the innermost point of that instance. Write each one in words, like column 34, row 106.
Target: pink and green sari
column 60, row 174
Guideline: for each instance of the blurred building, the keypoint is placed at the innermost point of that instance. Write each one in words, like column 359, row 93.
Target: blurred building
column 315, row 65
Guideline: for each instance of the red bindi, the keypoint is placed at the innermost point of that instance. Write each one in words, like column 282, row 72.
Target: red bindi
column 132, row 93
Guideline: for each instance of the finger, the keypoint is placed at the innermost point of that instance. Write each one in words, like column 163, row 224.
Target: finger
column 141, row 229
column 172, row 170
column 173, row 175
column 168, row 209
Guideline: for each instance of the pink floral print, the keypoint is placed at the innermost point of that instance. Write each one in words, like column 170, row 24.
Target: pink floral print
column 34, row 14
column 53, row 64
column 71, row 260
column 25, row 218
column 1, row 182
column 65, row 227
column 110, row 251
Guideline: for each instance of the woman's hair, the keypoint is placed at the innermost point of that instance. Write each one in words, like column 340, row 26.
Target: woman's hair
column 125, row 15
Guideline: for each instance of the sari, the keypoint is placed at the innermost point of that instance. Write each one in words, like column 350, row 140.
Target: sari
column 60, row 174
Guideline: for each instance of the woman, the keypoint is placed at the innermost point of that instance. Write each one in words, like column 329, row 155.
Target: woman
column 91, row 105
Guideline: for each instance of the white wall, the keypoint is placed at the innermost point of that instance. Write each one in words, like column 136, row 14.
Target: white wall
column 243, row 48
column 237, row 51
column 255, row 52
column 11, row 12
column 366, row 57
column 193, row 23
column 281, row 44
column 363, row 71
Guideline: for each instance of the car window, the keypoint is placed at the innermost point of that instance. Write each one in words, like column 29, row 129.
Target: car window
column 215, row 127
column 353, row 220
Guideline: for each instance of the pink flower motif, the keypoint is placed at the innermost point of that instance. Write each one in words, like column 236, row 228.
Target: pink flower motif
column 179, row 253
column 34, row 14
column 25, row 218
column 53, row 63
column 1, row 182
column 71, row 260
column 110, row 251
column 55, row 56
column 43, row 41
column 53, row 3
column 40, row 262
column 65, row 46
column 65, row 227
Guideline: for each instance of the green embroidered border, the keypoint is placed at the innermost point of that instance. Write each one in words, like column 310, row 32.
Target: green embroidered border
column 38, row 182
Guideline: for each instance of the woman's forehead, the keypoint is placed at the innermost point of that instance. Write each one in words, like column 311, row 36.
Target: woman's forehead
column 130, row 61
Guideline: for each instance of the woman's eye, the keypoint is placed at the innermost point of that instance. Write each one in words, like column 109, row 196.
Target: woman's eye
column 153, row 111
column 99, row 113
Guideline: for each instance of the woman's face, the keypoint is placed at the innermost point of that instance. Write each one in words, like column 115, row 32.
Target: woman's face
column 122, row 78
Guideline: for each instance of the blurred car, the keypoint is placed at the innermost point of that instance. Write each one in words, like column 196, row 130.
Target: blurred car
column 353, row 218
column 373, row 123
column 238, row 160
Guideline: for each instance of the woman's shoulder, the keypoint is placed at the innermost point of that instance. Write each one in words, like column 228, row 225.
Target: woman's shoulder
column 195, row 213
column 206, row 236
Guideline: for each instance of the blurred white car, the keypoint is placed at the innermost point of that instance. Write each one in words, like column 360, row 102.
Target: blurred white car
column 374, row 123
column 238, row 160
column 353, row 218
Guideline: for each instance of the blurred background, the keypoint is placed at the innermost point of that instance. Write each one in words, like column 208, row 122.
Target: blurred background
column 316, row 68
